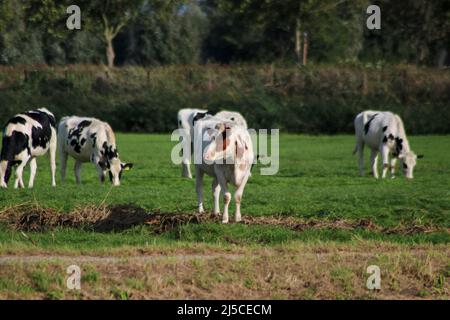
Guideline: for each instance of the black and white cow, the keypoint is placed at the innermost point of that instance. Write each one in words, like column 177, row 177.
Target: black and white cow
column 383, row 132
column 90, row 140
column 186, row 121
column 26, row 136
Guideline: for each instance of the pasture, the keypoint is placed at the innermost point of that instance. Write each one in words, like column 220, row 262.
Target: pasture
column 316, row 204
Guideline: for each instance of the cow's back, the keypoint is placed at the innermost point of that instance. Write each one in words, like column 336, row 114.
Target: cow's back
column 372, row 126
column 32, row 130
column 188, row 117
column 79, row 136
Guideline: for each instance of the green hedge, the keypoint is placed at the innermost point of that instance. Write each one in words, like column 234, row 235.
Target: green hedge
column 312, row 100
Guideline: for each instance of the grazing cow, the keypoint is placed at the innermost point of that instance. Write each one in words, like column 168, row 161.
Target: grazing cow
column 90, row 140
column 27, row 136
column 186, row 120
column 232, row 116
column 383, row 132
column 227, row 156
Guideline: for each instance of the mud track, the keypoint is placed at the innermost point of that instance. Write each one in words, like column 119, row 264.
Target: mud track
column 122, row 217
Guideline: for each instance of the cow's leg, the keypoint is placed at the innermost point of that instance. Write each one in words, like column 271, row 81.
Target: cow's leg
column 33, row 167
column 101, row 173
column 186, row 169
column 63, row 157
column 3, row 168
column 360, row 151
column 226, row 195
column 374, row 162
column 393, row 163
column 385, row 158
column 216, row 195
column 186, row 162
column 238, row 196
column 19, row 173
column 77, row 169
column 52, row 152
column 199, row 188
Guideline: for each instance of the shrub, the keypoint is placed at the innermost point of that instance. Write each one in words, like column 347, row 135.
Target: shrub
column 312, row 100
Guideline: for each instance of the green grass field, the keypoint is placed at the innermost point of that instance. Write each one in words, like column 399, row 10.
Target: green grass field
column 317, row 181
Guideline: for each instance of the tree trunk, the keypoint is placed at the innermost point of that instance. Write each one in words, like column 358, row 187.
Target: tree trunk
column 110, row 54
column 298, row 41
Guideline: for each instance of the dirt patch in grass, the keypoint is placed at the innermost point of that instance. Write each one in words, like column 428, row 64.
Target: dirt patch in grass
column 122, row 217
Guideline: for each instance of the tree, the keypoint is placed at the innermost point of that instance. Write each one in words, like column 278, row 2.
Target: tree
column 112, row 16
column 18, row 42
column 171, row 34
column 416, row 30
column 273, row 29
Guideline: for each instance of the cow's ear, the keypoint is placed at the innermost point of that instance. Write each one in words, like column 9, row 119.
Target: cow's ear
column 126, row 166
column 420, row 156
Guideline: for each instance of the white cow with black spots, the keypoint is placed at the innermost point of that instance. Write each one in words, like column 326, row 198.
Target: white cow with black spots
column 383, row 132
column 26, row 136
column 226, row 154
column 90, row 140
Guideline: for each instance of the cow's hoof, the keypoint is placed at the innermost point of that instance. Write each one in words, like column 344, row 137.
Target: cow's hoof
column 225, row 221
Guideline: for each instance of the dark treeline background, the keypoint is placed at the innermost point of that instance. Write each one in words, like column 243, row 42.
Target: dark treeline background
column 294, row 64
column 159, row 32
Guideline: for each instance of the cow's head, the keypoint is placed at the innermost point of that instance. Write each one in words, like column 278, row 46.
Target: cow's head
column 409, row 161
column 115, row 168
column 227, row 143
